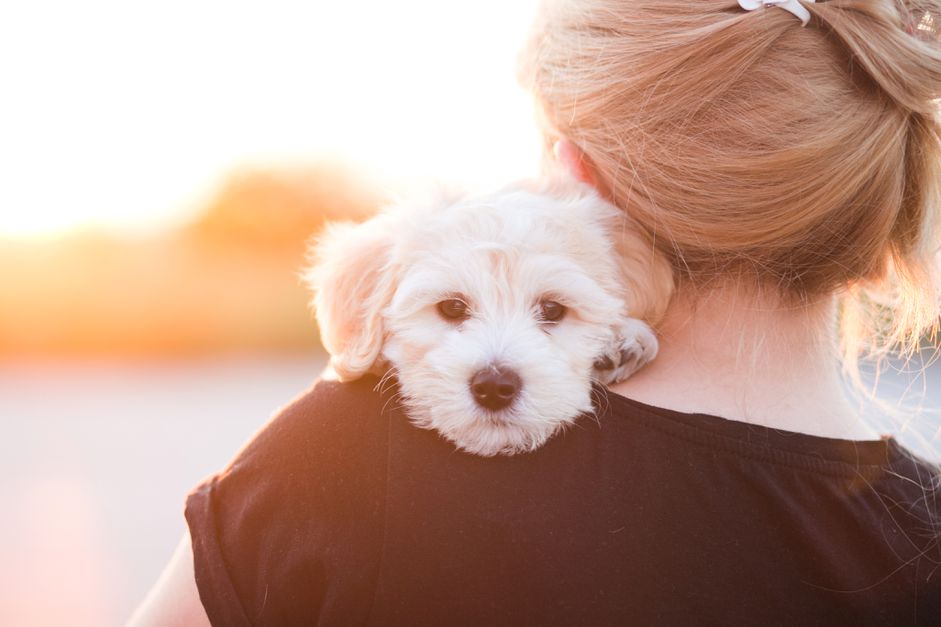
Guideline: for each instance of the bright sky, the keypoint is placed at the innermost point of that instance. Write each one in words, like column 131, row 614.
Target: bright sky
column 127, row 115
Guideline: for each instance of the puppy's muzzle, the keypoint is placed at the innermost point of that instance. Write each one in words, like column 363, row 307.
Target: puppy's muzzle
column 495, row 387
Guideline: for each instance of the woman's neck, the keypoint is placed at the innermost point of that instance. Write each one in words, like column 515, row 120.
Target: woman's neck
column 743, row 358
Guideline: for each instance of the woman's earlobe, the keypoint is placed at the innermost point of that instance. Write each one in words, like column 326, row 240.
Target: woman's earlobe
column 574, row 162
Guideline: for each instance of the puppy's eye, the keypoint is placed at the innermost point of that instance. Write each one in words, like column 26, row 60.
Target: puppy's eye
column 453, row 309
column 551, row 311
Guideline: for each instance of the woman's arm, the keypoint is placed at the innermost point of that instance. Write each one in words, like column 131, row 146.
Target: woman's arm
column 174, row 599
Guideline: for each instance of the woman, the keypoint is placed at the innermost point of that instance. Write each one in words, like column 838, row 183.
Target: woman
column 789, row 173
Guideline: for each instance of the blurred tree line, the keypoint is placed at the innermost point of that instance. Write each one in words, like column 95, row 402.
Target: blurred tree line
column 275, row 211
column 227, row 282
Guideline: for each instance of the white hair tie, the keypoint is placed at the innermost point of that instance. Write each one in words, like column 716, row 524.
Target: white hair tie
column 794, row 6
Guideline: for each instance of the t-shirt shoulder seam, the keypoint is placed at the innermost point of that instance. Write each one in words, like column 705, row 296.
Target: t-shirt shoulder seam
column 199, row 512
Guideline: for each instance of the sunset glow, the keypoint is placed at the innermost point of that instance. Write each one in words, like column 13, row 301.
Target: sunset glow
column 126, row 116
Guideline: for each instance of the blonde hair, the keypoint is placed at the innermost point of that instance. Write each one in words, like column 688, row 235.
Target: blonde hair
column 750, row 148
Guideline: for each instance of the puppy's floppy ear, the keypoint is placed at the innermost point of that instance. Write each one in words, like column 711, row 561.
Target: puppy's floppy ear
column 353, row 278
column 645, row 271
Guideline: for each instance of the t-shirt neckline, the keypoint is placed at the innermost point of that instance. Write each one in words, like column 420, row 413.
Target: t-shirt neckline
column 762, row 439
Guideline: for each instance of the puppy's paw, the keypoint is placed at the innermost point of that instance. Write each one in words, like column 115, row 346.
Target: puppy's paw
column 636, row 344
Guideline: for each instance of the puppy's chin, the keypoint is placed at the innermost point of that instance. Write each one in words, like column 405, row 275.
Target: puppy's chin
column 501, row 434
column 490, row 434
column 523, row 427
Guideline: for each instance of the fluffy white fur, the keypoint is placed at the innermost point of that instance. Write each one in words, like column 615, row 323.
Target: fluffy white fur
column 377, row 286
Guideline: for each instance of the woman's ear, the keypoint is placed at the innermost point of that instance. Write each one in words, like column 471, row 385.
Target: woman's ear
column 353, row 278
column 574, row 162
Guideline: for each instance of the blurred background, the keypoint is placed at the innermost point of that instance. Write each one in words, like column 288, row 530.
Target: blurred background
column 162, row 167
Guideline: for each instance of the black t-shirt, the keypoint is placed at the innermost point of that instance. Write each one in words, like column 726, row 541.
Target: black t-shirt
column 340, row 512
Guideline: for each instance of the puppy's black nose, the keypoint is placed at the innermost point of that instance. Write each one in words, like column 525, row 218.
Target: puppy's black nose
column 495, row 387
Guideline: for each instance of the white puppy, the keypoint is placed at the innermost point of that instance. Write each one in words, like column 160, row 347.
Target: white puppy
column 495, row 313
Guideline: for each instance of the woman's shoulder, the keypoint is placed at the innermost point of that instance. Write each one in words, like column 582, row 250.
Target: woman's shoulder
column 318, row 429
column 327, row 416
column 330, row 434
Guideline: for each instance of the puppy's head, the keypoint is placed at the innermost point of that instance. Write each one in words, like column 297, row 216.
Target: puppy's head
column 491, row 310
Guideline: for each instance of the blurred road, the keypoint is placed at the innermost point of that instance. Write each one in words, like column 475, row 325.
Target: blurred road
column 95, row 461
